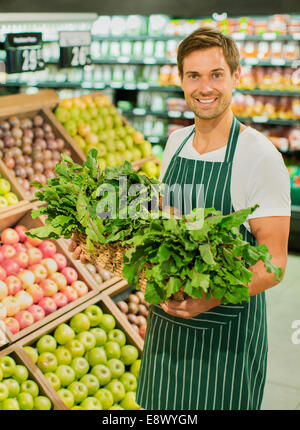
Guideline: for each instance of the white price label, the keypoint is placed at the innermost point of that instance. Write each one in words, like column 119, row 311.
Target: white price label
column 31, row 59
column 80, row 55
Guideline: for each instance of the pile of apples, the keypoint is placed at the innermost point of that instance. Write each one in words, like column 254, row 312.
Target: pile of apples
column 35, row 279
column 7, row 197
column 17, row 390
column 136, row 309
column 88, row 362
column 150, row 169
column 94, row 122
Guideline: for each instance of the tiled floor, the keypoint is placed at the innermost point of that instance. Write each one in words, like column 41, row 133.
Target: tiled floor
column 282, row 391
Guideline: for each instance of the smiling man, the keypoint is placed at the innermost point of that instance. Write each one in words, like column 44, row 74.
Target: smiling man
column 197, row 353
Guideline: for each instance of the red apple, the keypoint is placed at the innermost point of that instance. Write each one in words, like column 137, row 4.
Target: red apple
column 36, row 292
column 70, row 293
column 12, row 324
column 59, row 279
column 49, row 287
column 24, row 318
column 50, row 265
column 14, row 285
column 80, row 287
column 37, row 312
column 1, row 255
column 27, row 277
column 33, row 241
column 9, row 236
column 10, row 267
column 39, row 271
column 2, row 273
column 3, row 312
column 3, row 290
column 61, row 261
column 19, row 247
column 48, row 304
column 60, row 299
column 12, row 305
column 35, row 255
column 8, row 251
column 48, row 248
column 21, row 229
column 24, row 299
column 22, row 259
column 70, row 274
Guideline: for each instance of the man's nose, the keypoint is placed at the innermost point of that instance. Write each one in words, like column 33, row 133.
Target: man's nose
column 204, row 86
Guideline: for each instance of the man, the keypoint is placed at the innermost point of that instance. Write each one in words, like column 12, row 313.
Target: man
column 197, row 353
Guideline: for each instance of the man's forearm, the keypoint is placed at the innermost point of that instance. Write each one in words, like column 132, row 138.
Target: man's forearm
column 261, row 279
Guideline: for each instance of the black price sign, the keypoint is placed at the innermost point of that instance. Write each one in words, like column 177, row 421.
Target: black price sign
column 24, row 52
column 74, row 48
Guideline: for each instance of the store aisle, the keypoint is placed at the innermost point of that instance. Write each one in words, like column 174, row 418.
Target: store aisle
column 283, row 376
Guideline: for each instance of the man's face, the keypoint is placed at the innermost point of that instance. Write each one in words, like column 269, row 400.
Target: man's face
column 207, row 82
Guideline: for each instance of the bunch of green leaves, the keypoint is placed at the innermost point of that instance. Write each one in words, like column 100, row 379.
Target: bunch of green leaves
column 212, row 259
column 73, row 195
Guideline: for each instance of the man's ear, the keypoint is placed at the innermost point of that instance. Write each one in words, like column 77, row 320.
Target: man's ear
column 237, row 76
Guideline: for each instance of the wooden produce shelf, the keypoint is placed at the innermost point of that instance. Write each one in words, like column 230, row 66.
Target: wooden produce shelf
column 13, row 214
column 83, row 275
column 45, row 389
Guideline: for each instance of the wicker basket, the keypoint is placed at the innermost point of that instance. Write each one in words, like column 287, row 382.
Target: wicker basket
column 109, row 256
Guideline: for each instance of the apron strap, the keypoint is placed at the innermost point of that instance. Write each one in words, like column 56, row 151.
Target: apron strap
column 232, row 140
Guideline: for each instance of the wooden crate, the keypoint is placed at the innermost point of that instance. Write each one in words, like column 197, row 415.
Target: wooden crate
column 107, row 306
column 45, row 389
column 83, row 275
column 12, row 215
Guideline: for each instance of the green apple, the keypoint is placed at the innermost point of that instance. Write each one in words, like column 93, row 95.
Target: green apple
column 7, row 365
column 12, row 386
column 77, row 408
column 25, row 401
column 94, row 313
column 117, row 389
column 96, row 355
column 108, row 322
column 80, row 366
column 105, row 397
column 63, row 333
column 129, row 381
column 87, row 339
column 63, row 355
column 32, row 352
column 80, row 322
column 146, row 148
column 79, row 391
column 3, row 202
column 62, row 114
column 135, row 367
column 128, row 402
column 116, row 367
column 47, row 362
column 46, row 343
column 30, row 387
column 10, row 405
column 91, row 382
column 4, row 186
column 91, row 403
column 118, row 336
column 11, row 198
column 100, row 335
column 66, row 374
column 67, row 397
column 20, row 373
column 113, row 349
column 102, row 372
column 42, row 403
column 115, row 408
column 129, row 354
column 1, row 374
column 53, row 380
column 3, row 392
column 76, row 348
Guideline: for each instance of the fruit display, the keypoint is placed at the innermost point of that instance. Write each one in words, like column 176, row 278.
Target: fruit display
column 150, row 168
column 35, row 279
column 30, row 149
column 94, row 122
column 18, row 391
column 135, row 307
column 89, row 361
column 7, row 196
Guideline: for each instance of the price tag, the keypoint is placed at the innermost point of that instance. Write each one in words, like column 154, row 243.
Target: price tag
column 23, row 52
column 74, row 48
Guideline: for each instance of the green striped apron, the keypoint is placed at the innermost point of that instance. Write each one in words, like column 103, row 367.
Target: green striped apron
column 216, row 360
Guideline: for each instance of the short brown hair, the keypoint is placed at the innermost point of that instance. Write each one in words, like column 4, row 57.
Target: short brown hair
column 204, row 38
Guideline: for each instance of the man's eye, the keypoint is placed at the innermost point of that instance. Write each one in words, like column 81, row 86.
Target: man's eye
column 217, row 75
column 193, row 76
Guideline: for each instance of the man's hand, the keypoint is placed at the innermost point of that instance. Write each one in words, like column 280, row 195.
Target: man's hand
column 189, row 308
column 76, row 250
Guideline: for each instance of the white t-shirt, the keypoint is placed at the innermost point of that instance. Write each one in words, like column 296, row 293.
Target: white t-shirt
column 259, row 175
